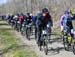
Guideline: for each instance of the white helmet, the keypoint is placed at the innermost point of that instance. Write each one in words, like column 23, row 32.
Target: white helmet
column 31, row 14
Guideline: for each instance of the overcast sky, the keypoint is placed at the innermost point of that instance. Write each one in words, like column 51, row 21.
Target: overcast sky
column 3, row 1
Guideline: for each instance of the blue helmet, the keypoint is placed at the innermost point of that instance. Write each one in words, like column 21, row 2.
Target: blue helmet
column 66, row 12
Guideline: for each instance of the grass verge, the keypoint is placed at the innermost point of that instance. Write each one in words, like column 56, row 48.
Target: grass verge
column 11, row 46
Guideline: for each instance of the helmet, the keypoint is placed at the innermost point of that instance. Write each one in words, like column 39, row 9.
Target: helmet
column 66, row 12
column 72, row 11
column 31, row 14
column 45, row 10
column 28, row 14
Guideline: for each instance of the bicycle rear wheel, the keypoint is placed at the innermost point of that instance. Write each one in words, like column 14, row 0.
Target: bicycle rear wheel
column 28, row 33
column 74, row 48
column 45, row 45
column 46, row 49
column 65, row 42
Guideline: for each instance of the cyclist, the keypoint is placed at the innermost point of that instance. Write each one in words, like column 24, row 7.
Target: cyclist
column 66, row 23
column 9, row 19
column 34, row 18
column 43, row 19
column 28, row 18
column 12, row 20
column 3, row 17
column 15, row 20
column 23, row 24
column 21, row 19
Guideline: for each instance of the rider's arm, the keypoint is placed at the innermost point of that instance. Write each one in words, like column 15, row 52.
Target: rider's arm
column 38, row 19
column 51, row 21
column 61, row 20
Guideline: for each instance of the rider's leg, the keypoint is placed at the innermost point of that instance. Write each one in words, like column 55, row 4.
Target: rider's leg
column 21, row 26
column 39, row 35
column 72, row 34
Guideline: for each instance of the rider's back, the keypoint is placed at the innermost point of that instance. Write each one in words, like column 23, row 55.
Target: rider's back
column 67, row 22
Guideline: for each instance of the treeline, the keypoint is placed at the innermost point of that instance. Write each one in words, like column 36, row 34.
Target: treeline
column 56, row 7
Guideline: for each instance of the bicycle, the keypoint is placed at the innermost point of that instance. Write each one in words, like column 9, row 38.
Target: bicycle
column 45, row 42
column 12, row 23
column 45, row 37
column 73, row 22
column 23, row 29
column 33, row 31
column 74, row 48
column 28, row 31
column 18, row 26
column 67, row 40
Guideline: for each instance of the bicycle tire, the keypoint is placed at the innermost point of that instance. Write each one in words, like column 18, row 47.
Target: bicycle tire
column 65, row 42
column 74, row 49
column 45, row 44
column 28, row 33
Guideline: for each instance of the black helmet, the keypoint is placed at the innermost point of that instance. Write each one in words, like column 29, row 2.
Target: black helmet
column 28, row 13
column 45, row 10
